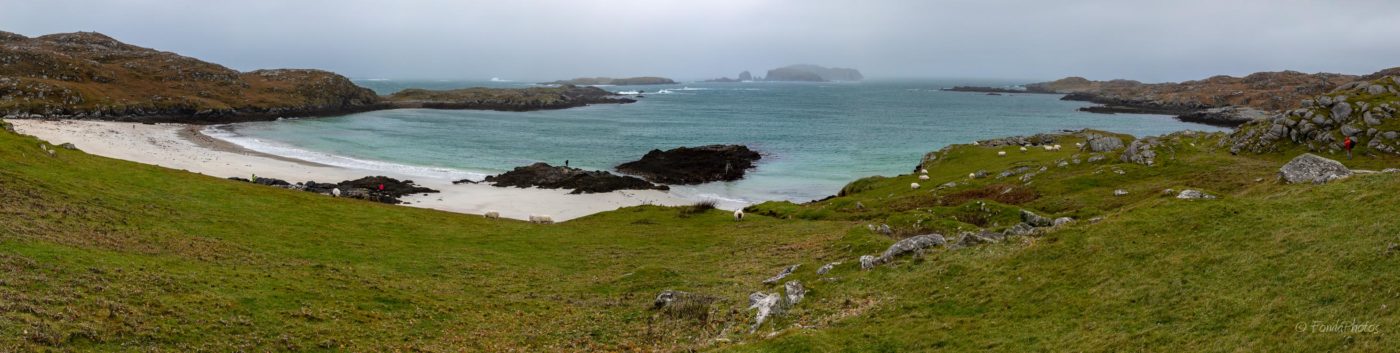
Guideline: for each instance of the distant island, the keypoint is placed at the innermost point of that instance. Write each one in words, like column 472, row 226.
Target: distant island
column 743, row 77
column 88, row 75
column 812, row 73
column 630, row 81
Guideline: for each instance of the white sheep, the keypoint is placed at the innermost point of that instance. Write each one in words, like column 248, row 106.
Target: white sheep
column 972, row 175
column 738, row 215
column 1023, row 149
column 1057, row 147
column 923, row 177
column 1078, row 144
column 914, row 186
column 541, row 219
column 492, row 215
column 923, row 171
column 1048, row 147
column 1001, row 153
column 335, row 192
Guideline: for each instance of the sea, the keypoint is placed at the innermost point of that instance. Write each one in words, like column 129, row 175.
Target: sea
column 814, row 137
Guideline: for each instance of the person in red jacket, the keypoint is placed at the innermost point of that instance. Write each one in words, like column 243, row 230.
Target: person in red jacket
column 1348, row 144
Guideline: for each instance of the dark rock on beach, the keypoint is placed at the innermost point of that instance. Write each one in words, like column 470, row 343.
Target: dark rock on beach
column 545, row 176
column 367, row 188
column 693, row 165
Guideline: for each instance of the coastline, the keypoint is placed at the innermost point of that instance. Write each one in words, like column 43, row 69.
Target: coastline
column 185, row 147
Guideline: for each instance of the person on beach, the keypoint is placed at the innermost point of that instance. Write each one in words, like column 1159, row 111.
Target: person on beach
column 566, row 163
column 1348, row 144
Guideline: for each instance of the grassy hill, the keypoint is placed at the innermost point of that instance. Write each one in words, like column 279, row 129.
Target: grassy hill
column 105, row 255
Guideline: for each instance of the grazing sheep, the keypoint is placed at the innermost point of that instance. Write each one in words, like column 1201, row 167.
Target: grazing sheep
column 335, row 192
column 923, row 171
column 923, row 177
column 541, row 219
column 1001, row 153
column 1023, row 149
column 1048, row 147
column 972, row 175
column 1057, row 147
column 1078, row 144
column 492, row 215
column 914, row 186
column 738, row 215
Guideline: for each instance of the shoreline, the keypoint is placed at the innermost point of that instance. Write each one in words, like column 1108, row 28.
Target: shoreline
column 185, row 147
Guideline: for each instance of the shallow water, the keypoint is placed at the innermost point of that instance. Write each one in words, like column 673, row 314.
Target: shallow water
column 815, row 137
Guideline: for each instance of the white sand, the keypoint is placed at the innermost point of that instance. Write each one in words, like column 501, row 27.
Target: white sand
column 179, row 146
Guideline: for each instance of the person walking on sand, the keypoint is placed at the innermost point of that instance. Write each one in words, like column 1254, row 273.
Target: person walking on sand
column 566, row 163
column 1348, row 144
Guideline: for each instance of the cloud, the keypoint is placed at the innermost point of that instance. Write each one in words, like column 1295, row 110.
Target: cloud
column 549, row 39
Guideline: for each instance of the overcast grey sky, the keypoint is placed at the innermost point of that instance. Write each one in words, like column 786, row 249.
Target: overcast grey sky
column 545, row 40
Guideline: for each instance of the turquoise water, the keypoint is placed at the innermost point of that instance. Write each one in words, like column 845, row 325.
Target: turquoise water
column 815, row 137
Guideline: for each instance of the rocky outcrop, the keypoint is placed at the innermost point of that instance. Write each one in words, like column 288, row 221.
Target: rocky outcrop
column 1189, row 194
column 1225, row 116
column 629, row 81
column 1310, row 168
column 693, row 165
column 88, row 75
column 903, row 247
column 778, row 277
column 373, row 188
column 1366, row 111
column 812, row 73
column 545, row 176
column 1102, row 143
column 505, row 99
column 1143, row 151
column 745, row 76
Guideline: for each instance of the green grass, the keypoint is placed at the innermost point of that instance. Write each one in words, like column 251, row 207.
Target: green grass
column 105, row 255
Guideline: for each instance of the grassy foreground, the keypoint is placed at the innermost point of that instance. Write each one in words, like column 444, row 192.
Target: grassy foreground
column 105, row 255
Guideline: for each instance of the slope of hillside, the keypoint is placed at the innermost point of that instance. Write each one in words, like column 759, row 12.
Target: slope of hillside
column 107, row 255
column 90, row 75
column 1368, row 111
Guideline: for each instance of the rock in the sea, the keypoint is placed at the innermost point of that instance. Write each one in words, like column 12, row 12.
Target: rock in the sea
column 1194, row 195
column 1310, row 168
column 545, row 176
column 693, row 165
column 1036, row 220
column 778, row 277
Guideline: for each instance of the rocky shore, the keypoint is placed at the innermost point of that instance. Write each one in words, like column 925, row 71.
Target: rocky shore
column 86, row 75
column 545, row 176
column 372, row 188
column 693, row 165
column 628, row 81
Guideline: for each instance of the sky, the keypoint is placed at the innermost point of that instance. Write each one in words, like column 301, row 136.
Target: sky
column 541, row 40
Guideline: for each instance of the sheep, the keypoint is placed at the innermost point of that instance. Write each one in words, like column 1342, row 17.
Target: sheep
column 914, row 186
column 335, row 192
column 1023, row 149
column 923, row 171
column 1057, row 147
column 1001, row 153
column 1048, row 147
column 492, row 215
column 541, row 219
column 923, row 177
column 738, row 215
column 972, row 175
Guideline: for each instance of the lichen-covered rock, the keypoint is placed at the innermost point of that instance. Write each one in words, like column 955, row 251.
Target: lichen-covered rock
column 1310, row 168
column 1142, row 151
column 1102, row 143
column 767, row 304
column 795, row 292
column 909, row 245
column 1189, row 194
column 1036, row 220
column 1063, row 221
column 778, row 277
column 827, row 268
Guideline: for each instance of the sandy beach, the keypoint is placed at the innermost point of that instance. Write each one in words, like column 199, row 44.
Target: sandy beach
column 183, row 147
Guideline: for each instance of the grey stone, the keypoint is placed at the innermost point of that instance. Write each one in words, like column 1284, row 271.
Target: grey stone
column 1120, row 192
column 1341, row 111
column 1375, row 89
column 867, row 262
column 1020, row 229
column 1310, row 168
column 967, row 239
column 1189, row 194
column 767, row 304
column 1095, row 158
column 1348, row 130
column 827, row 268
column 1063, row 221
column 1101, row 143
column 778, row 277
column 1035, row 219
column 1324, row 101
column 910, row 245
column 1370, row 119
column 795, row 292
column 1390, row 135
column 1142, row 152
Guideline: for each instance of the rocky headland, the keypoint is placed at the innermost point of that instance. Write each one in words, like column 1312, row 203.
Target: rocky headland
column 812, row 73
column 1367, row 111
column 545, row 176
column 87, row 75
column 743, row 76
column 371, row 188
column 629, row 81
column 693, row 165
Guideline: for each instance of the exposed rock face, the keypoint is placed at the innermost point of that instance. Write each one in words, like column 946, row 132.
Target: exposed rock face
column 545, row 176
column 1142, row 151
column 1323, row 121
column 505, row 99
column 1310, row 168
column 630, row 81
column 88, row 75
column 1103, row 143
column 1263, row 90
column 1189, row 194
column 1036, row 220
column 909, row 245
column 693, row 165
column 778, row 277
column 812, row 73
column 1225, row 116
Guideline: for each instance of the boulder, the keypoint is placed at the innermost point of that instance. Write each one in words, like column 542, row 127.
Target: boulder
column 1120, row 192
column 693, row 165
column 795, row 292
column 683, row 304
column 1062, row 221
column 1341, row 111
column 1310, row 168
column 1020, row 229
column 909, row 245
column 1142, row 152
column 545, row 176
column 68, row 146
column 827, row 268
column 1189, row 194
column 1101, row 143
column 767, row 304
column 1036, row 220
